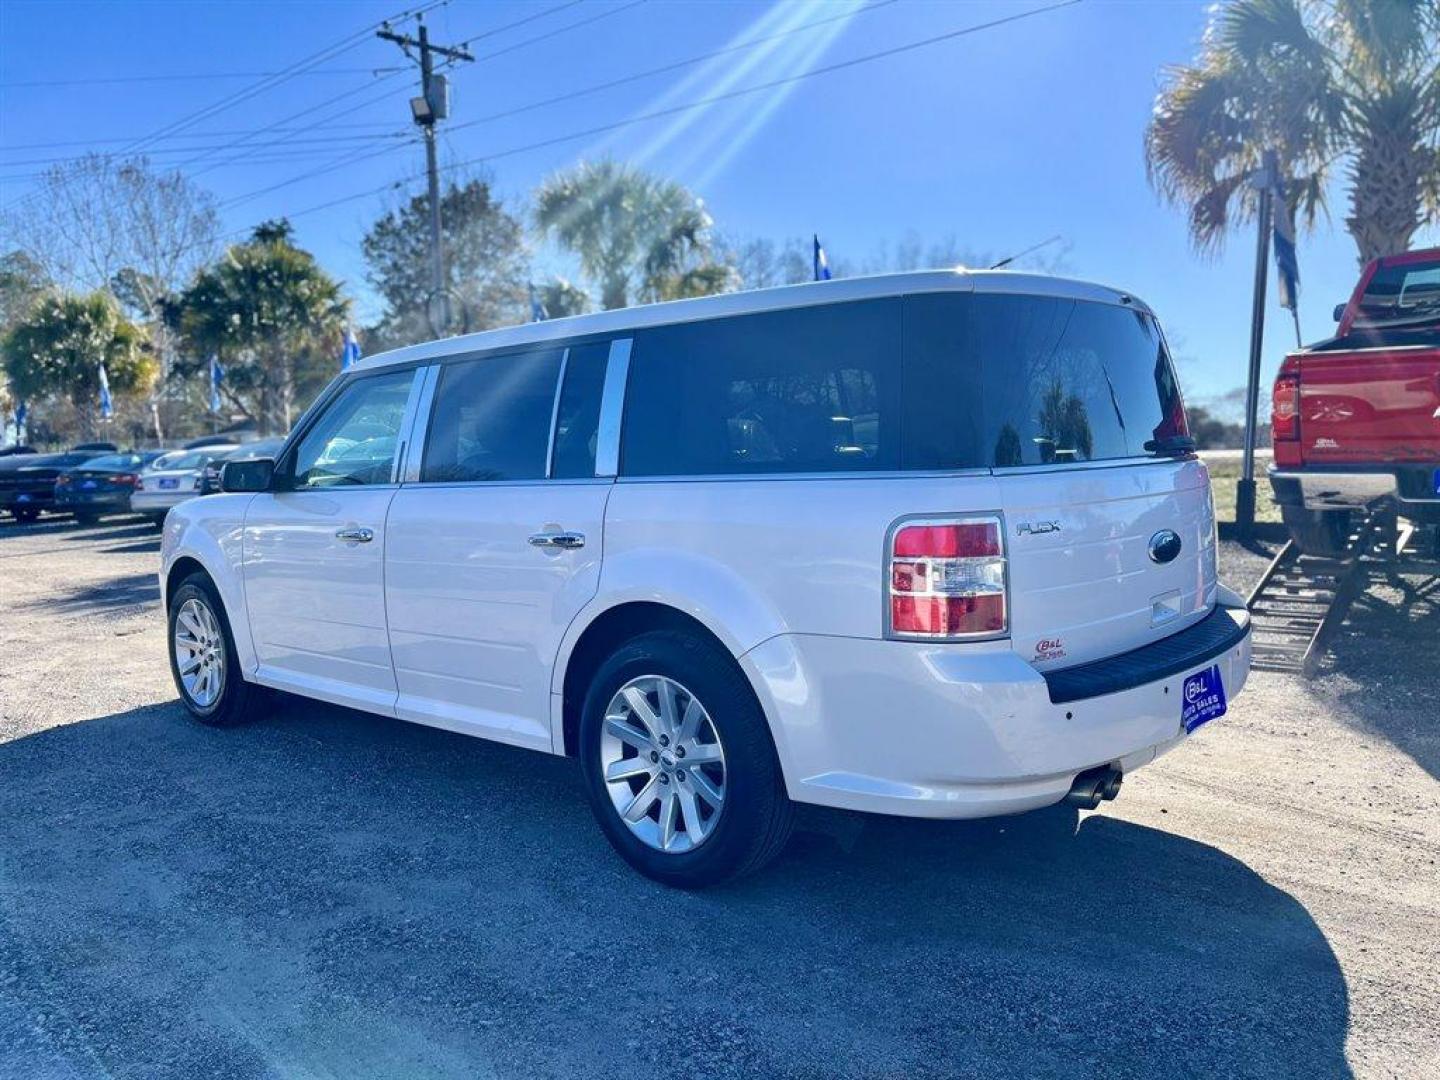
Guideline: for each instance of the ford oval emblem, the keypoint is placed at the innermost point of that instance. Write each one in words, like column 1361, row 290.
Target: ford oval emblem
column 1164, row 546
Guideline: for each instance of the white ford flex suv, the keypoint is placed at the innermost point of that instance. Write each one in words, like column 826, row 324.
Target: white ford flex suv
column 930, row 544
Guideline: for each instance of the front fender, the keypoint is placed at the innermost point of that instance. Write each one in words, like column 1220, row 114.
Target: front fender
column 211, row 531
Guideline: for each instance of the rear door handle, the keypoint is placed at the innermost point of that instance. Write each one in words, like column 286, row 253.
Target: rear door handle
column 566, row 541
column 355, row 536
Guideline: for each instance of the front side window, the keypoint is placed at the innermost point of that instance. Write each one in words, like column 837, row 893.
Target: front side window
column 811, row 389
column 354, row 439
column 491, row 419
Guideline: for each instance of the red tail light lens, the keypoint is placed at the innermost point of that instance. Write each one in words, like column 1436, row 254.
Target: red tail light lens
column 947, row 579
column 1285, row 408
column 126, row 478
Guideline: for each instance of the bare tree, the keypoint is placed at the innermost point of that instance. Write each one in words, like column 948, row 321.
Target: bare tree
column 101, row 222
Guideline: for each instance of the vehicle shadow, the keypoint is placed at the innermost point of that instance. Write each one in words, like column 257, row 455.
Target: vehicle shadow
column 331, row 893
column 121, row 592
column 1392, row 629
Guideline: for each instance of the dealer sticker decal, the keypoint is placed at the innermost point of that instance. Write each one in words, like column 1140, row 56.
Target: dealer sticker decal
column 1204, row 698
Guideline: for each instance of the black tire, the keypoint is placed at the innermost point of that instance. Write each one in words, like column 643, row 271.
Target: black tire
column 24, row 515
column 157, row 520
column 1323, row 533
column 238, row 700
column 86, row 519
column 756, row 817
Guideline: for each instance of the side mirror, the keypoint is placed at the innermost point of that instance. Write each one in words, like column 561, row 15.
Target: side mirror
column 1338, row 313
column 253, row 475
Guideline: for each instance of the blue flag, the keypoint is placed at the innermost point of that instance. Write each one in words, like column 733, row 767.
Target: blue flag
column 107, row 407
column 822, row 264
column 217, row 374
column 1287, row 267
column 537, row 308
column 351, row 353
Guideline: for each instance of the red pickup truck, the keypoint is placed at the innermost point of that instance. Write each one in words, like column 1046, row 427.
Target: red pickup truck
column 1356, row 418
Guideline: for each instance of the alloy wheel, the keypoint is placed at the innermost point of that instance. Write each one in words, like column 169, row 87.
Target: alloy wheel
column 663, row 764
column 199, row 652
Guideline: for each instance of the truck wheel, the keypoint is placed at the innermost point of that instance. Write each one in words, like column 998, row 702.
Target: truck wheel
column 679, row 764
column 1318, row 532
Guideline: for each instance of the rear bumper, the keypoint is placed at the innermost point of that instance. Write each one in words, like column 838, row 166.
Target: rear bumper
column 35, row 500
column 1335, row 487
column 947, row 731
column 96, row 501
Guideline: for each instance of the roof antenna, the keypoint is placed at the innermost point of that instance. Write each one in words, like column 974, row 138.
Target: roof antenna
column 1021, row 254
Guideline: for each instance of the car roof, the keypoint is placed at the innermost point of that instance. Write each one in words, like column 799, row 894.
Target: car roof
column 780, row 298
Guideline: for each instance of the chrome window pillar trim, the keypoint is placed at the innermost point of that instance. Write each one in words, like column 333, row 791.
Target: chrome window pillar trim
column 420, row 425
column 555, row 416
column 407, row 425
column 612, row 407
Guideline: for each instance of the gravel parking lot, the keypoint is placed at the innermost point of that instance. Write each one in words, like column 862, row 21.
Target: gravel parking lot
column 327, row 893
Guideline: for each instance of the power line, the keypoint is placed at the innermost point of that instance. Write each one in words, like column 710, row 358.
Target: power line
column 687, row 106
column 212, row 76
column 317, row 140
column 667, row 68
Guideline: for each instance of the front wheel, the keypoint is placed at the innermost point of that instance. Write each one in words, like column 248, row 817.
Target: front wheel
column 203, row 660
column 679, row 765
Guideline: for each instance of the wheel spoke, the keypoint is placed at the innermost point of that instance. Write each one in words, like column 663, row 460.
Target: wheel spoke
column 690, row 722
column 667, row 818
column 640, row 706
column 190, row 623
column 690, row 808
column 625, row 768
column 706, row 787
column 191, row 665
column 619, row 727
column 703, row 754
column 641, row 803
column 668, row 719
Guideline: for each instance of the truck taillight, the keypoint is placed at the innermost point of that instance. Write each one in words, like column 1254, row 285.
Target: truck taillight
column 1285, row 408
column 947, row 579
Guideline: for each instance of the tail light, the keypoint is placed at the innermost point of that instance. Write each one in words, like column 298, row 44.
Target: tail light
column 1285, row 407
column 947, row 579
column 63, row 478
column 126, row 478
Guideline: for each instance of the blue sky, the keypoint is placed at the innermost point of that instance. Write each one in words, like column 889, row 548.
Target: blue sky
column 1000, row 138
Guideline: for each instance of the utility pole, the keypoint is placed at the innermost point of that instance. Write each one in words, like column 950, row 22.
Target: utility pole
column 432, row 105
column 1245, row 486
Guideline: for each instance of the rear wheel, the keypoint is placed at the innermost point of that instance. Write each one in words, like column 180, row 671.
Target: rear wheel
column 1318, row 532
column 679, row 765
column 25, row 514
column 86, row 517
column 203, row 660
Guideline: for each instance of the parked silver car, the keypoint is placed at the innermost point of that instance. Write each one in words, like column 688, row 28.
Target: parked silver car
column 171, row 479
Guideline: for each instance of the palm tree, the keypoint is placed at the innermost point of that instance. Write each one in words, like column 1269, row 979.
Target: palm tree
column 637, row 236
column 1316, row 84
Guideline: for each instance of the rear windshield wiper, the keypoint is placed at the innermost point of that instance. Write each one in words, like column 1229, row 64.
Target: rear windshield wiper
column 1171, row 444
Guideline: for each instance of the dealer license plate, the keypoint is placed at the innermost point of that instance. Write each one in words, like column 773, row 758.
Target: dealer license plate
column 1203, row 698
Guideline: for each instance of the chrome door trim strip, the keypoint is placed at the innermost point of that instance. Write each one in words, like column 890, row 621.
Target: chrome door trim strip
column 419, row 425
column 555, row 416
column 407, row 424
column 612, row 406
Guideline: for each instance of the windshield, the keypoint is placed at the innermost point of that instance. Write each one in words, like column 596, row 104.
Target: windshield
column 1404, row 295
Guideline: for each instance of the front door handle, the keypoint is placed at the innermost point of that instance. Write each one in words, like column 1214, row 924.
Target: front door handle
column 355, row 536
column 566, row 541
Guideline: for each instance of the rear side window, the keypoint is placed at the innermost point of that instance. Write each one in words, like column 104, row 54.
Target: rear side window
column 805, row 390
column 491, row 418
column 1401, row 296
column 1068, row 381
column 577, row 421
